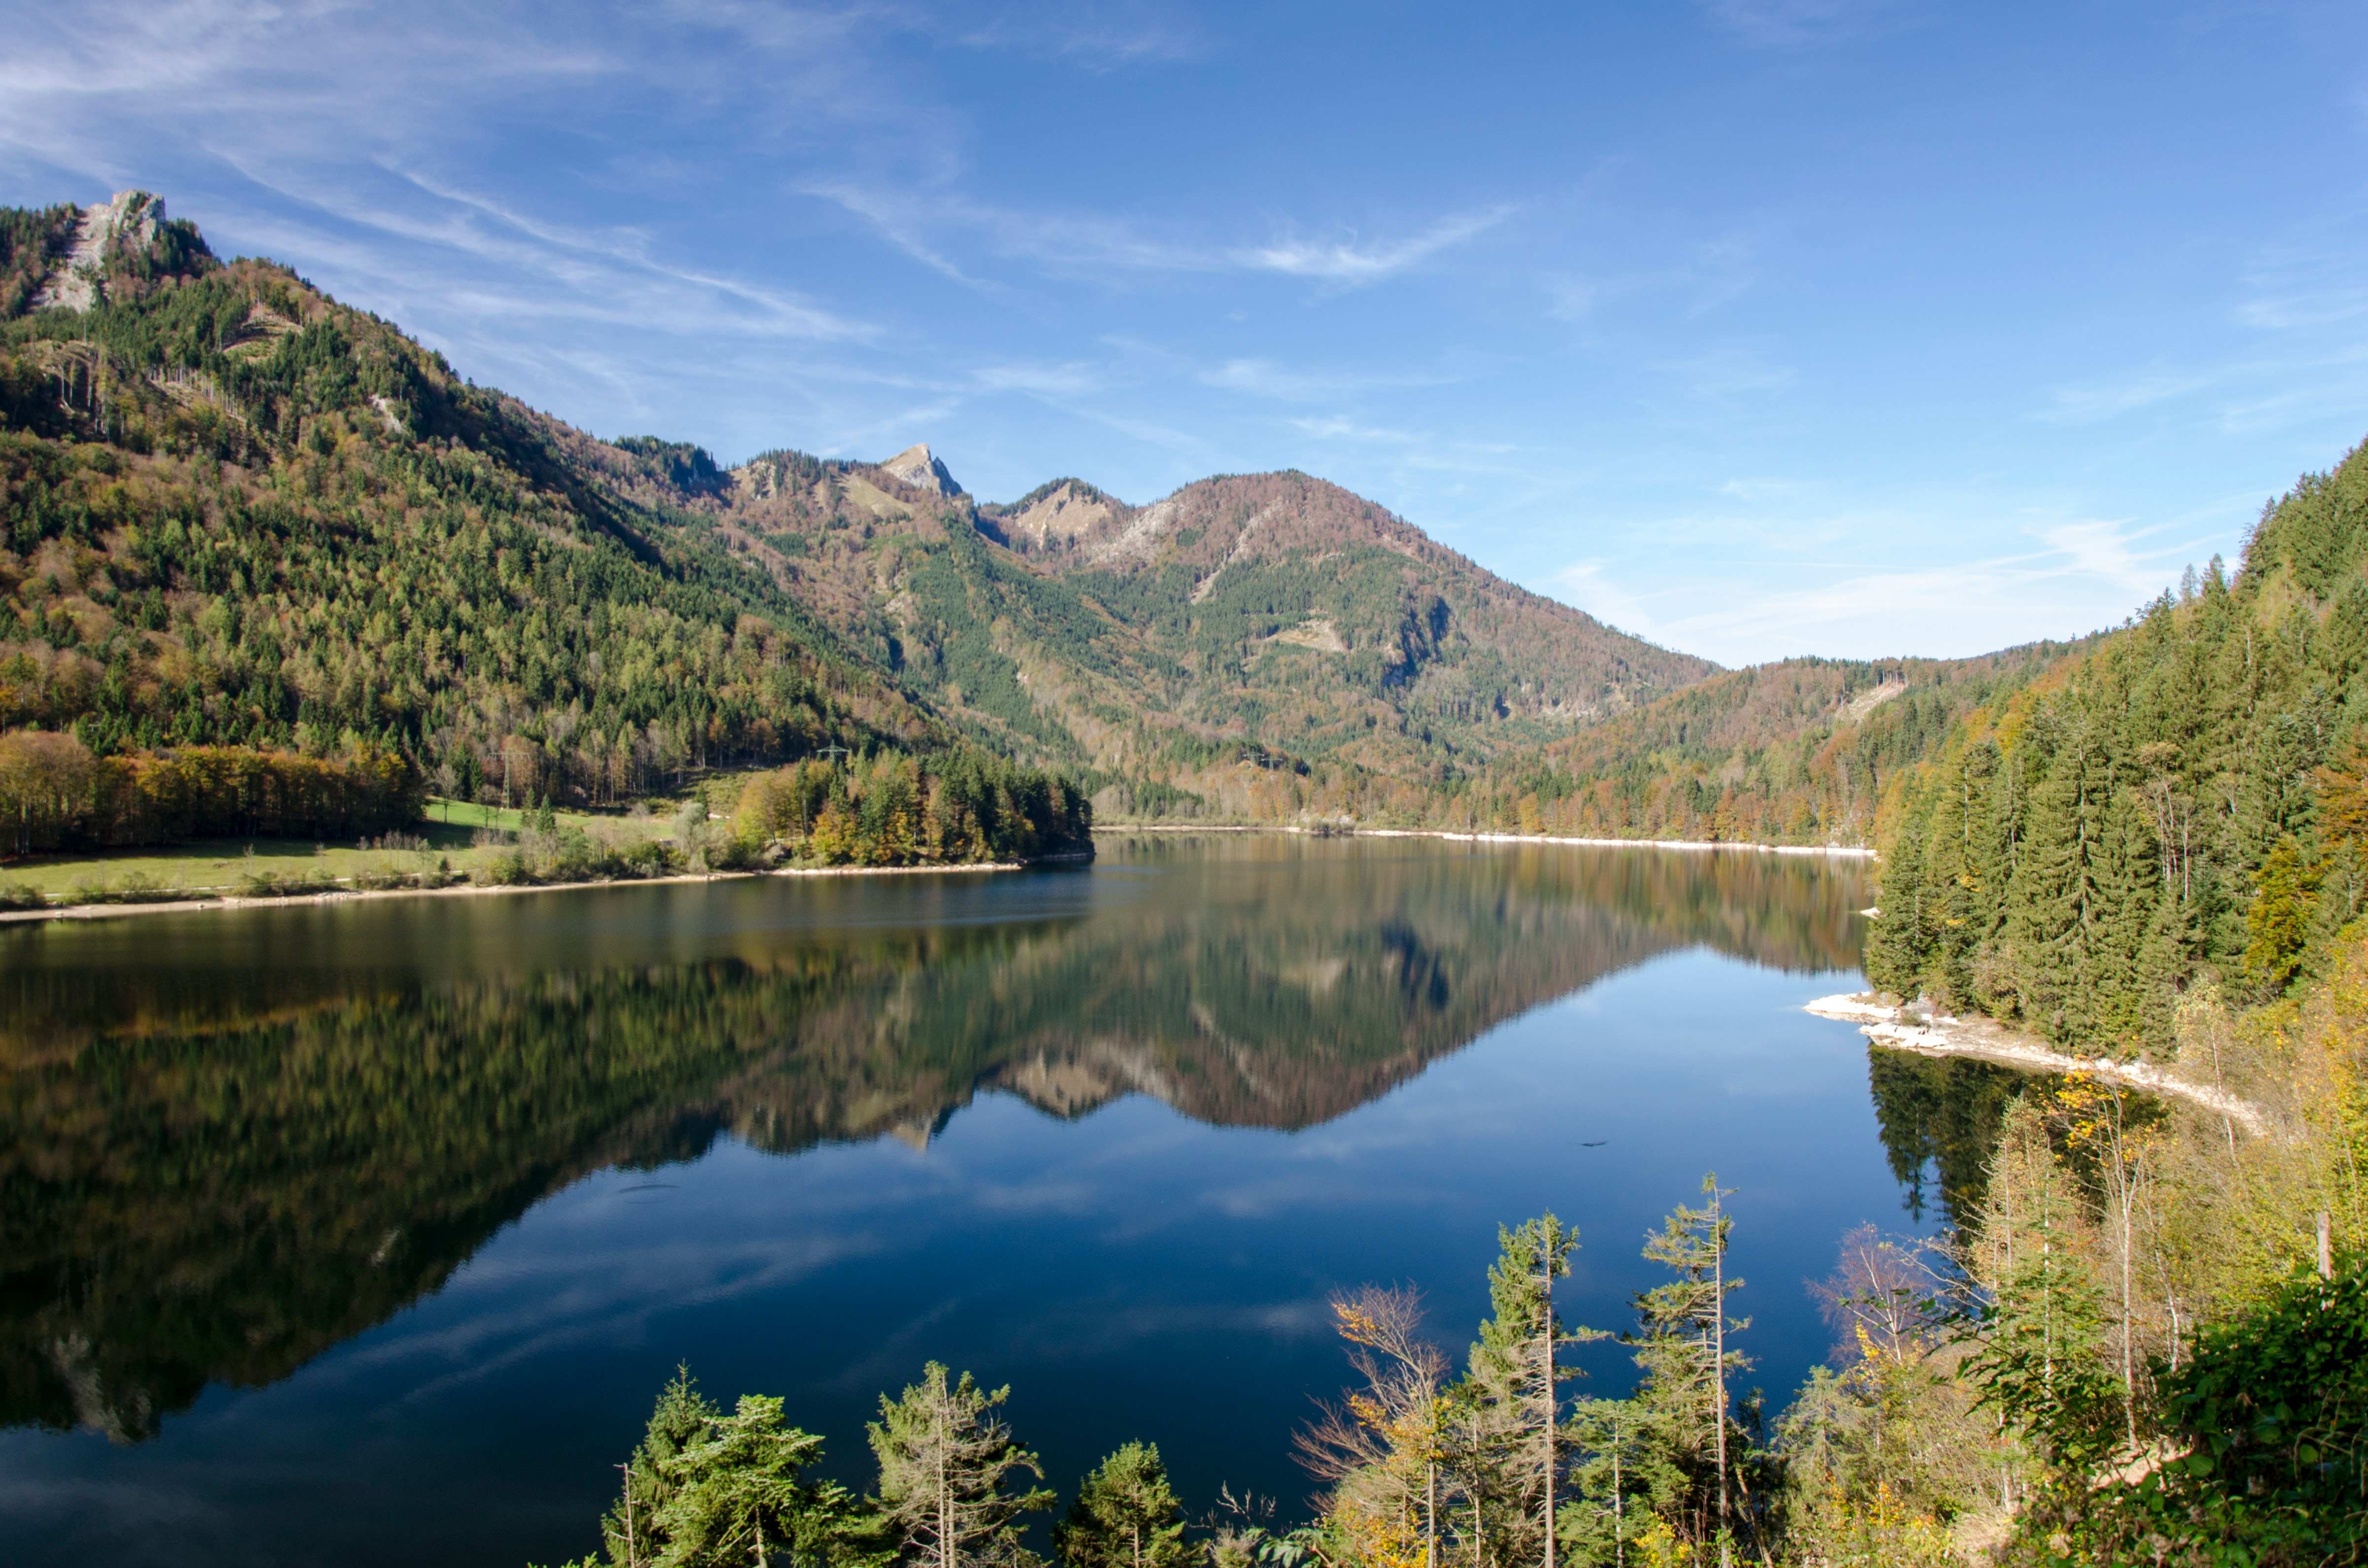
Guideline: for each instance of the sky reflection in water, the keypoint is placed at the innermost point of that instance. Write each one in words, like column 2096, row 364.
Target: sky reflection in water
column 1109, row 1137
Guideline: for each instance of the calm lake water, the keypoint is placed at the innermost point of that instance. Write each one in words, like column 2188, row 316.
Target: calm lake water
column 366, row 1235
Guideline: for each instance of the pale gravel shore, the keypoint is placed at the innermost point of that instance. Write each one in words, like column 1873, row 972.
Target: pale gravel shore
column 183, row 906
column 1843, row 850
column 1982, row 1040
column 475, row 890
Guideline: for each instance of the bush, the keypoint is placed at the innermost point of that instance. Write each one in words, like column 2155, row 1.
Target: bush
column 23, row 895
column 2267, row 1459
column 274, row 884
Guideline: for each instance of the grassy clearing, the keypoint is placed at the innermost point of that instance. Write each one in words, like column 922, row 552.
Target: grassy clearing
column 212, row 869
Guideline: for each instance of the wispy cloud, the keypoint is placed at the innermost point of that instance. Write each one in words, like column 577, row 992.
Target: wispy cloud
column 1729, row 370
column 931, row 224
column 1100, row 35
column 1709, row 273
column 2108, row 399
column 1352, row 261
column 1266, row 379
column 2304, row 284
column 1338, row 427
column 1778, row 24
column 2073, row 575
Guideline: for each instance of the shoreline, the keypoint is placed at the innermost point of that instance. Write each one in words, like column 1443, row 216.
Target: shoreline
column 227, row 901
column 483, row 890
column 1982, row 1040
column 1844, row 851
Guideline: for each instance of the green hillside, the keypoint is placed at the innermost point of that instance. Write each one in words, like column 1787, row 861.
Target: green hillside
column 1798, row 751
column 236, row 513
column 2184, row 805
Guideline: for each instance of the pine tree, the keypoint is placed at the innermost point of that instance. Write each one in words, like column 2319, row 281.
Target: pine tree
column 1681, row 1345
column 737, row 1498
column 681, row 1419
column 1126, row 1515
column 1512, row 1387
column 945, row 1458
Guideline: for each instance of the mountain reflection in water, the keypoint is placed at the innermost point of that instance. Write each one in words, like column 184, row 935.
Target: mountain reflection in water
column 229, row 1141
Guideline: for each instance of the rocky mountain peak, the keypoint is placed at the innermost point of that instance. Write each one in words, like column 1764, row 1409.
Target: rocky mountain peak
column 920, row 468
column 128, row 222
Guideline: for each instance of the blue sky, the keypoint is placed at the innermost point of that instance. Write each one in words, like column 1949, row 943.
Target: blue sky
column 1757, row 326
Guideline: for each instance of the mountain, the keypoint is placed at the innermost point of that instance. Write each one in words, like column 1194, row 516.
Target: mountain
column 920, row 468
column 235, row 512
column 240, row 513
column 1275, row 614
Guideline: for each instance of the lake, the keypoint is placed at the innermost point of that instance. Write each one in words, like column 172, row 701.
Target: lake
column 367, row 1234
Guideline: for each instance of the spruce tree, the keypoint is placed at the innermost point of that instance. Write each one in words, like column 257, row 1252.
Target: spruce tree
column 946, row 1461
column 1512, row 1389
column 737, row 1496
column 1681, row 1345
column 1126, row 1515
column 681, row 1419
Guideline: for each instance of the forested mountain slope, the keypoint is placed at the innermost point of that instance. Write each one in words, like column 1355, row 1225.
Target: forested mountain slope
column 1271, row 611
column 239, row 512
column 2184, row 805
column 1790, row 753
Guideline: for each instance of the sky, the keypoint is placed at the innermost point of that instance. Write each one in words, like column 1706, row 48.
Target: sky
column 1757, row 327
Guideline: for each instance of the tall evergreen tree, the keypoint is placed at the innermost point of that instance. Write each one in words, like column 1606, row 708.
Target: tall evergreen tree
column 1126, row 1515
column 1681, row 1345
column 679, row 1420
column 1513, row 1385
column 737, row 1496
column 946, row 1465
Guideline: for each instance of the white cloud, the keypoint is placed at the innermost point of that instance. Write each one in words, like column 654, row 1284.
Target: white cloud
column 1791, row 23
column 2110, row 399
column 1348, row 261
column 1340, row 428
column 927, row 223
column 1100, row 35
column 2075, row 575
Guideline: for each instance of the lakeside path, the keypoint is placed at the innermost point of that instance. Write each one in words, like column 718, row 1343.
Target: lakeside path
column 1983, row 1040
column 473, row 890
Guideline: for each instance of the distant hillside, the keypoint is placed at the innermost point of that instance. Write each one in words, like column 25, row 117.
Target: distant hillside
column 239, row 512
column 1798, row 751
column 1271, row 615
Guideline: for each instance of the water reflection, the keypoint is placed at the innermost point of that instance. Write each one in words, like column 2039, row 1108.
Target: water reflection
column 228, row 1142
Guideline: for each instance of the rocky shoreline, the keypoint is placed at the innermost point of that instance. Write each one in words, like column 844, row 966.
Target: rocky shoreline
column 1931, row 1033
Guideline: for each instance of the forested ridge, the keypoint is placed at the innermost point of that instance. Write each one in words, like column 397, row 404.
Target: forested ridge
column 2183, row 805
column 236, row 514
